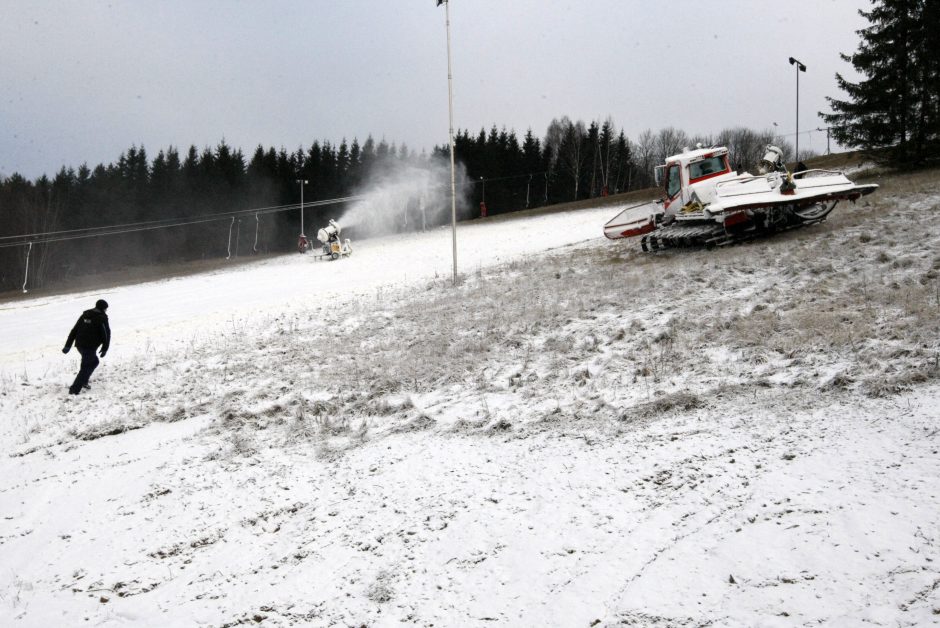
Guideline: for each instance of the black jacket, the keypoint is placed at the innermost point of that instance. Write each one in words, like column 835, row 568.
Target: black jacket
column 90, row 331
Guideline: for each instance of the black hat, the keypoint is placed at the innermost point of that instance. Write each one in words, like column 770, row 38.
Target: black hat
column 101, row 304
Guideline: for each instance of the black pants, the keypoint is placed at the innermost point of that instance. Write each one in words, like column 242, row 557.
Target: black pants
column 89, row 364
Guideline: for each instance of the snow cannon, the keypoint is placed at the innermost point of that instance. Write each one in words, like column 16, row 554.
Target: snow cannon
column 772, row 160
column 332, row 247
column 329, row 233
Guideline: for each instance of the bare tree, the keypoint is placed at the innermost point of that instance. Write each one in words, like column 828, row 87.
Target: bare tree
column 670, row 141
column 645, row 151
column 746, row 147
column 572, row 153
column 553, row 138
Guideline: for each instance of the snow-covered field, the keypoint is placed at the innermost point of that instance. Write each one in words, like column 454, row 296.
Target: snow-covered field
column 578, row 435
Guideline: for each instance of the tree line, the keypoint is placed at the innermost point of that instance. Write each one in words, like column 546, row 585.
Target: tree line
column 573, row 161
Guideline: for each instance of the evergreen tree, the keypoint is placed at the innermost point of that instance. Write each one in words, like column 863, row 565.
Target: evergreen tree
column 531, row 153
column 476, row 159
column 896, row 103
column 381, row 153
column 342, row 167
column 328, row 170
column 262, row 176
column 593, row 140
column 606, row 152
column 623, row 165
column 355, row 165
column 231, row 167
column 312, row 171
column 367, row 159
column 191, row 171
column 159, row 179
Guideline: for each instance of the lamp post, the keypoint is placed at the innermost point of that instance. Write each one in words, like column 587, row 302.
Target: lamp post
column 527, row 186
column 799, row 68
column 302, row 183
column 450, row 109
column 483, row 194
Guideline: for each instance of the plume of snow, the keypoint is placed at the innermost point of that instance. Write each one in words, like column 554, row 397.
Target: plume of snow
column 401, row 196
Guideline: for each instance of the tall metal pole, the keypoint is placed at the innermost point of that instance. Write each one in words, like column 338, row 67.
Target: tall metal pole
column 229, row 256
column 26, row 276
column 302, row 183
column 453, row 176
column 799, row 68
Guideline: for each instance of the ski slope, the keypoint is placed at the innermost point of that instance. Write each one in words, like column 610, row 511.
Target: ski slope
column 174, row 310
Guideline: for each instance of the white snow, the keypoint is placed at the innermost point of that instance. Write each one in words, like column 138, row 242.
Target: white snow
column 578, row 435
column 153, row 314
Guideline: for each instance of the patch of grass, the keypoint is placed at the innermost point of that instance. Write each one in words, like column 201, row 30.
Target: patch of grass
column 892, row 384
column 680, row 400
column 112, row 427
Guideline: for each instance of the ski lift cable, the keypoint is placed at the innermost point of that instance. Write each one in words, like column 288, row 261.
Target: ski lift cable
column 151, row 223
column 92, row 232
column 183, row 220
column 63, row 238
column 80, row 236
column 157, row 222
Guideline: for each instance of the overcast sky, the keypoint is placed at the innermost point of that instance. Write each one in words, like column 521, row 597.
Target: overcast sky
column 84, row 80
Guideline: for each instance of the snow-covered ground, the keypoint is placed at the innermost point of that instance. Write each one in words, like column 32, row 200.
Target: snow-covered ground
column 162, row 312
column 578, row 435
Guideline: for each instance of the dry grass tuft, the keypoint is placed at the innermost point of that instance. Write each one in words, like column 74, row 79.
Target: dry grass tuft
column 680, row 400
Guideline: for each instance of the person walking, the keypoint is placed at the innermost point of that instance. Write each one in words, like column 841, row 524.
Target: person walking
column 90, row 332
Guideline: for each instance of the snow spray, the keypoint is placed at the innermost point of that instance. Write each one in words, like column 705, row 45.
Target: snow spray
column 404, row 197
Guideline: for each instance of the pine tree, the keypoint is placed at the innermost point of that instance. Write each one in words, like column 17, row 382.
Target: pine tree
column 312, row 171
column 354, row 171
column 594, row 146
column 624, row 166
column 342, row 168
column 605, row 147
column 366, row 159
column 531, row 153
column 328, row 171
column 896, row 103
